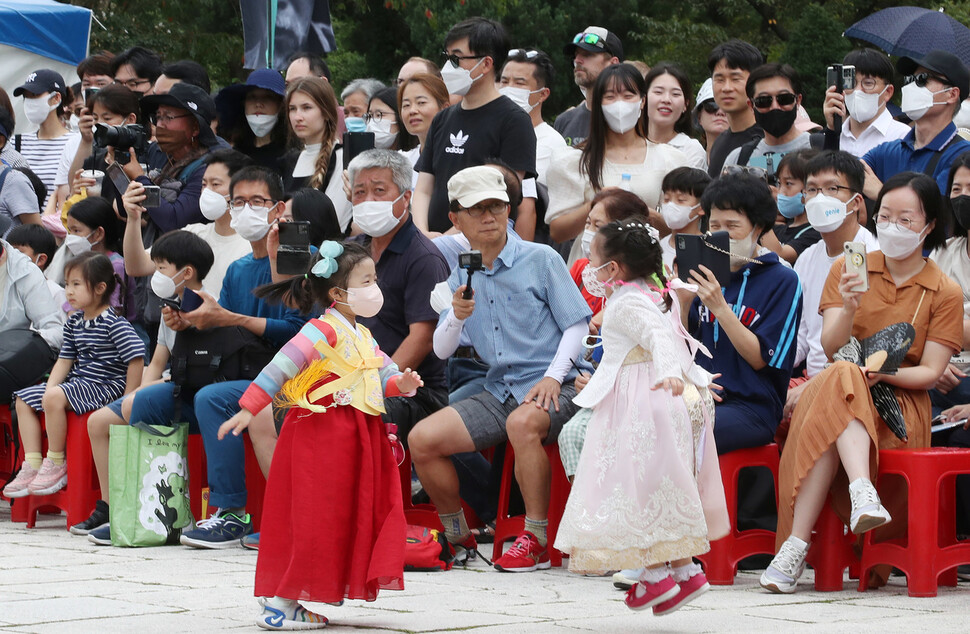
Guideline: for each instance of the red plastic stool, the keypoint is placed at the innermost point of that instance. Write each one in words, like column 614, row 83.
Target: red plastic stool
column 832, row 551
column 78, row 498
column 509, row 527
column 930, row 552
column 8, row 458
column 255, row 485
column 721, row 561
column 198, row 478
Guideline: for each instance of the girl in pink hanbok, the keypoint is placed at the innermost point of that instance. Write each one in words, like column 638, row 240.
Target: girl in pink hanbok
column 647, row 492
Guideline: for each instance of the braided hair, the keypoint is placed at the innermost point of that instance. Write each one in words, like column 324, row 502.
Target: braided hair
column 633, row 243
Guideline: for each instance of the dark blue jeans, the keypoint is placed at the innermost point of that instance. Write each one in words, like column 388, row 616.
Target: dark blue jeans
column 212, row 406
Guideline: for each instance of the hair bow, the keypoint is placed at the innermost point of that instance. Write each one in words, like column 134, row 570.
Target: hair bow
column 327, row 265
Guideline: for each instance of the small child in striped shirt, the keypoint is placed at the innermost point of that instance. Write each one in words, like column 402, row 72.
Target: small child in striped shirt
column 101, row 359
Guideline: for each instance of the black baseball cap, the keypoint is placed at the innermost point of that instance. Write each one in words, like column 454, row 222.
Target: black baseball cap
column 595, row 39
column 942, row 63
column 41, row 81
column 187, row 97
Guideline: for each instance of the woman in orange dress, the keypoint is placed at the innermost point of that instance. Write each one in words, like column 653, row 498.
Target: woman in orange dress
column 836, row 432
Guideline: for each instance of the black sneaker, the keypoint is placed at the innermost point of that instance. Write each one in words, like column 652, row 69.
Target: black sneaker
column 101, row 535
column 98, row 519
column 221, row 531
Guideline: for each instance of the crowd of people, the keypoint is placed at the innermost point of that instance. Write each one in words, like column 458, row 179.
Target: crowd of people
column 479, row 278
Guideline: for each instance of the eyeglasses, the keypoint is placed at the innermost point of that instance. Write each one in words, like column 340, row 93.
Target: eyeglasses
column 922, row 78
column 528, row 53
column 156, row 119
column 828, row 190
column 868, row 84
column 902, row 223
column 456, row 59
column 710, row 106
column 131, row 84
column 784, row 100
column 589, row 38
column 495, row 208
column 256, row 203
column 378, row 116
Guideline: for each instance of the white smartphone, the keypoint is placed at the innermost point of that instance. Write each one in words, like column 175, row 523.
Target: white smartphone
column 855, row 262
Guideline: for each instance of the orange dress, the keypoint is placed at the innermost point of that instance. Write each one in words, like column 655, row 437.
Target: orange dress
column 933, row 303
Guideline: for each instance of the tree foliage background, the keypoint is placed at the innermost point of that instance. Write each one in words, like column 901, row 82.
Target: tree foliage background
column 374, row 37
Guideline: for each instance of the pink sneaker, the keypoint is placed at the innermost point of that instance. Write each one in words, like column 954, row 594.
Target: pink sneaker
column 645, row 595
column 689, row 590
column 50, row 478
column 18, row 487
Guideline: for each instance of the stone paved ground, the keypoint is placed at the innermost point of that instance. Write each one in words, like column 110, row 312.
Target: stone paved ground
column 51, row 581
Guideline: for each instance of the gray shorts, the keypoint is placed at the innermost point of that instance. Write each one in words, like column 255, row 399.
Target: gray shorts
column 484, row 416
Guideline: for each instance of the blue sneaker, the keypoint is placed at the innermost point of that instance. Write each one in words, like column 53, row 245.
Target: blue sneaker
column 250, row 542
column 100, row 535
column 222, row 530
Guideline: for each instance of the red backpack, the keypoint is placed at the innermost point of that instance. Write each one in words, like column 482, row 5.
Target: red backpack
column 427, row 550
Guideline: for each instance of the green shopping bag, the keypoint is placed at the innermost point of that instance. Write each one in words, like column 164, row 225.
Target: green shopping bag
column 148, row 479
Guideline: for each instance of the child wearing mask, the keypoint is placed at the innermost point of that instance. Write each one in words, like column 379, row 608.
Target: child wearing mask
column 681, row 208
column 789, row 238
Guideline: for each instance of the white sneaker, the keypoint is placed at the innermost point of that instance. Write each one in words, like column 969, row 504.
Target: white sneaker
column 867, row 510
column 626, row 579
column 781, row 575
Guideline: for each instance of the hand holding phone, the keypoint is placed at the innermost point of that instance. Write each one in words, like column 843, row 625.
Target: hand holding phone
column 855, row 262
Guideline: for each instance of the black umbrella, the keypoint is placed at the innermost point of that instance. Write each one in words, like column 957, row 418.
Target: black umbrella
column 913, row 32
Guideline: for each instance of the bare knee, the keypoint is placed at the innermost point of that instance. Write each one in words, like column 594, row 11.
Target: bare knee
column 527, row 425
column 54, row 398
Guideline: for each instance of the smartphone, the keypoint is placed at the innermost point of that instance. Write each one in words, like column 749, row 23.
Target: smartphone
column 89, row 92
column 855, row 262
column 118, row 177
column 355, row 143
column 190, row 300
column 712, row 250
column 153, row 196
column 842, row 76
column 293, row 256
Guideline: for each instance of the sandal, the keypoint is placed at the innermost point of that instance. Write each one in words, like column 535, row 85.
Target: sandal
column 484, row 534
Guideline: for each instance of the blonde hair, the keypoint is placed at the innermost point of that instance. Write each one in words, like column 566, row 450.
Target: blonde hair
column 321, row 93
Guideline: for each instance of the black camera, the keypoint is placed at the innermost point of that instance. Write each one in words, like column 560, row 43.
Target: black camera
column 293, row 255
column 121, row 137
column 471, row 261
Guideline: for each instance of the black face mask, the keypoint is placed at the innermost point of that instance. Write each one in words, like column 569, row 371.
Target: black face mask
column 961, row 211
column 776, row 122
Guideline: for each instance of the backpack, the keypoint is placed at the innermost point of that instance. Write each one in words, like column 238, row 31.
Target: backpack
column 427, row 550
column 227, row 353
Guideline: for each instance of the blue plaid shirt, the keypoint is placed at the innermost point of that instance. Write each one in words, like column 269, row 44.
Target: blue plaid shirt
column 522, row 307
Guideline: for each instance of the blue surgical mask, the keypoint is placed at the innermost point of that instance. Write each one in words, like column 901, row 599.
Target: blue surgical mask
column 790, row 206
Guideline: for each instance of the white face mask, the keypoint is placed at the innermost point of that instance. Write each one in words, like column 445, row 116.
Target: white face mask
column 383, row 137
column 76, row 245
column 896, row 242
column 165, row 286
column 250, row 225
column 742, row 250
column 863, row 106
column 73, row 122
column 677, row 216
column 622, row 116
column 592, row 285
column 458, row 80
column 376, row 217
column 212, row 204
column 826, row 213
column 962, row 120
column 36, row 109
column 261, row 124
column 918, row 100
column 520, row 96
column 586, row 241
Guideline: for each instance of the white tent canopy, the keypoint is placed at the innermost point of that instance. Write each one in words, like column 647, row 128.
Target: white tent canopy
column 38, row 34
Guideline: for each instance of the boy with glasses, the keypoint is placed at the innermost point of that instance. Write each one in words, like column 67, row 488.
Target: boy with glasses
column 933, row 89
column 137, row 69
column 775, row 92
column 865, row 120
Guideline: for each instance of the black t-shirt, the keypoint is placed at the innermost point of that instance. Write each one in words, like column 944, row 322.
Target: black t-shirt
column 460, row 138
column 798, row 237
column 573, row 124
column 726, row 143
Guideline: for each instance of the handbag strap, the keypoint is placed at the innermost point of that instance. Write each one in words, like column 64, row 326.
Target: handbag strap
column 156, row 430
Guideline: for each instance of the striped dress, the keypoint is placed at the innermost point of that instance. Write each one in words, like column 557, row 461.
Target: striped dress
column 101, row 349
column 44, row 155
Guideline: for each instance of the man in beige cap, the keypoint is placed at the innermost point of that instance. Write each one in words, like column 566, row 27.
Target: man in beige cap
column 526, row 320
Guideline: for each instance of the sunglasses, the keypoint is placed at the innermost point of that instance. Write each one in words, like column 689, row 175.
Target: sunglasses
column 589, row 38
column 922, row 78
column 784, row 100
column 710, row 107
column 456, row 59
